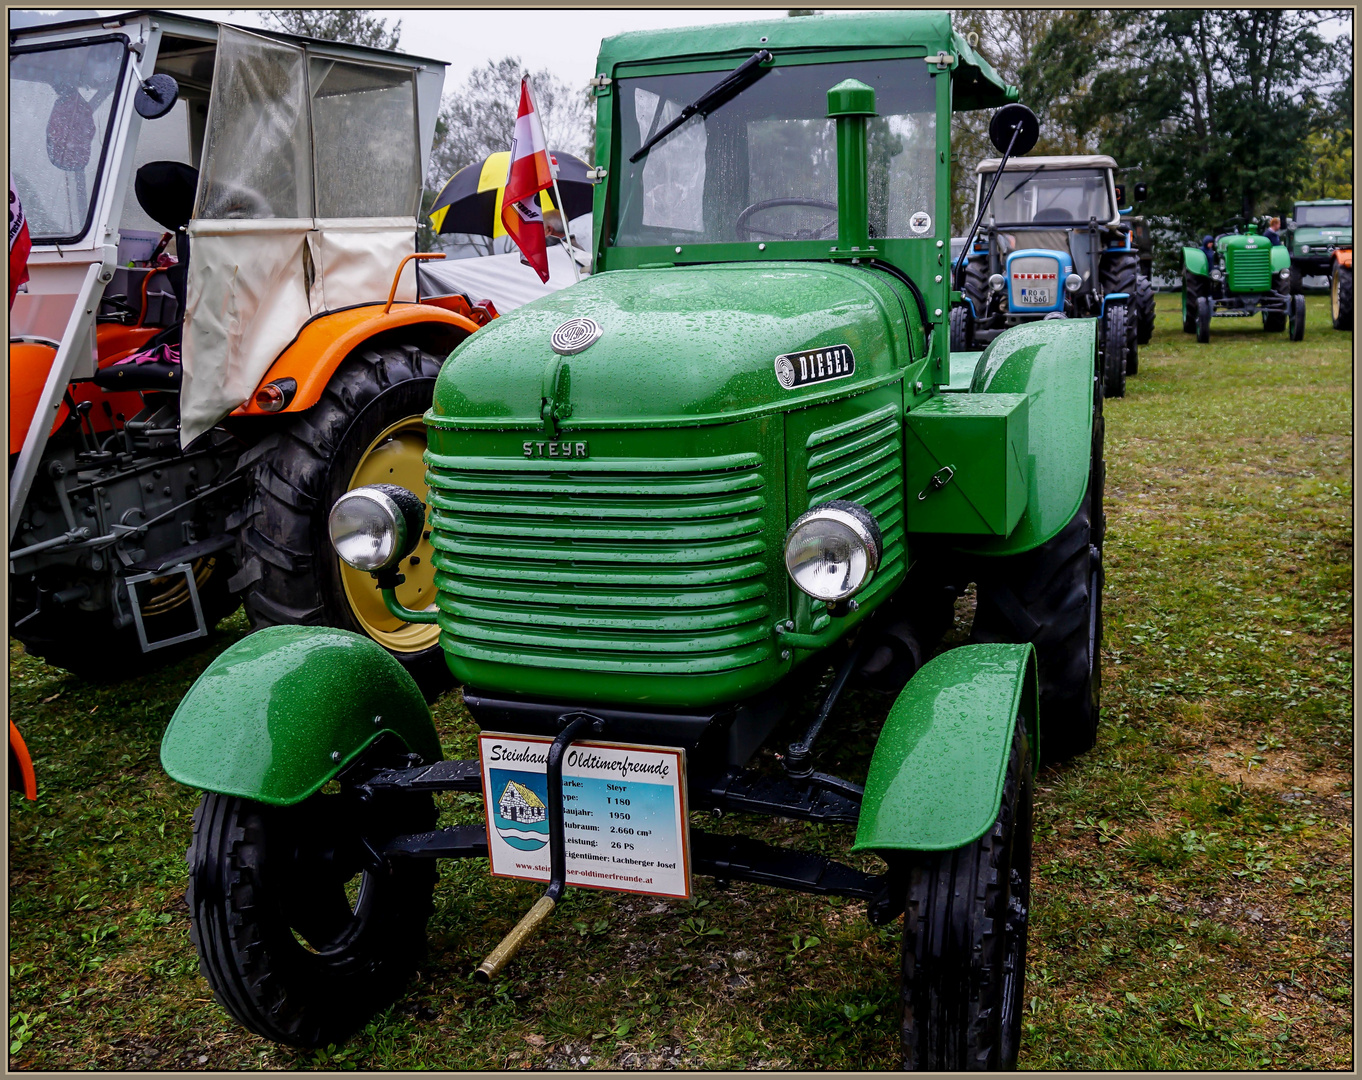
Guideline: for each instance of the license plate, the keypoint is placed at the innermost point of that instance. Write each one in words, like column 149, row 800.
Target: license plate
column 625, row 819
column 1039, row 297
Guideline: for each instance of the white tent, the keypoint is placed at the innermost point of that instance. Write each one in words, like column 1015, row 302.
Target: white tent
column 503, row 279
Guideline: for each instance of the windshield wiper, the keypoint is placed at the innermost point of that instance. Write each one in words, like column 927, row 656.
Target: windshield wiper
column 1022, row 184
column 732, row 84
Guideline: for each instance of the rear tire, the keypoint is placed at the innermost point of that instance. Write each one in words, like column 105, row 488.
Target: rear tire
column 965, row 919
column 1118, row 339
column 1144, row 307
column 1203, row 319
column 1341, row 297
column 290, row 573
column 1051, row 596
column 1297, row 329
column 962, row 329
column 286, row 950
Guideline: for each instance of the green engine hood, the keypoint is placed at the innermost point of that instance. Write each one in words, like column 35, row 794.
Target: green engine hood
column 684, row 345
column 1323, row 235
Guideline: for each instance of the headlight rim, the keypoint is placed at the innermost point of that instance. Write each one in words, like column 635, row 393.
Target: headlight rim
column 861, row 523
column 399, row 505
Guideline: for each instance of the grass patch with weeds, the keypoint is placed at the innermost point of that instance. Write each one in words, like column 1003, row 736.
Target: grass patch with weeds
column 1192, row 879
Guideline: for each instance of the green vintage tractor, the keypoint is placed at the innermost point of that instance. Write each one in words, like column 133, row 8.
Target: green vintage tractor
column 1238, row 276
column 1315, row 230
column 675, row 511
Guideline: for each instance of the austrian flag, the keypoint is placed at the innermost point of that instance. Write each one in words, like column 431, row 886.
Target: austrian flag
column 528, row 176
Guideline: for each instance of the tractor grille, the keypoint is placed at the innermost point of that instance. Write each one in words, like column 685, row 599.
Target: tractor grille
column 1249, row 269
column 625, row 565
column 862, row 460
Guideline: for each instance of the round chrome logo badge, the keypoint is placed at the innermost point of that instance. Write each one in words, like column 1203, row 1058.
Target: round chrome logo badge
column 574, row 336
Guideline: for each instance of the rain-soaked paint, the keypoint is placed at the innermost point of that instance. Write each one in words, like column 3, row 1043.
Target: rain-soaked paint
column 936, row 778
column 285, row 709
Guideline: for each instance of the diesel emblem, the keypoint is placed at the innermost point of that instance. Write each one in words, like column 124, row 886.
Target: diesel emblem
column 794, row 370
column 555, row 448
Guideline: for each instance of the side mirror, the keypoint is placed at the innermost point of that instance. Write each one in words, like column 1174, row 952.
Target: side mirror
column 1141, row 191
column 1014, row 120
column 1120, row 195
column 1290, row 224
column 156, row 97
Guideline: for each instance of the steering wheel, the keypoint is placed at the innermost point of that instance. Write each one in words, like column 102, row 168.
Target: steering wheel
column 745, row 230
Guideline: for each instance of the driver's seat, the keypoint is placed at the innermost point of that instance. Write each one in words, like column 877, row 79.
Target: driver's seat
column 165, row 191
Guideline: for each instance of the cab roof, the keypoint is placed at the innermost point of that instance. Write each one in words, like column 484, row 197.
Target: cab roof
column 1047, row 164
column 976, row 84
column 1323, row 202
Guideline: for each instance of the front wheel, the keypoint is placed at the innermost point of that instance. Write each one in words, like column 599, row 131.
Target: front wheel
column 366, row 429
column 1144, row 306
column 964, row 939
column 962, row 329
column 1118, row 342
column 1341, row 297
column 1203, row 319
column 300, row 935
column 1297, row 284
column 1297, row 330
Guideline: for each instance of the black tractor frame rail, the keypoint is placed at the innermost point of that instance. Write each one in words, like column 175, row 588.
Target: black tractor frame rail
column 1244, row 305
column 818, row 797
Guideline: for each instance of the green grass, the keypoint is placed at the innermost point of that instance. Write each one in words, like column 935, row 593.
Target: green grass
column 1192, row 874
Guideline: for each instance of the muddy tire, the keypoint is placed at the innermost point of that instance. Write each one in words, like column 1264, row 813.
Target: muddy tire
column 290, row 946
column 963, row 964
column 1341, row 297
column 290, row 574
column 1051, row 596
column 1144, row 316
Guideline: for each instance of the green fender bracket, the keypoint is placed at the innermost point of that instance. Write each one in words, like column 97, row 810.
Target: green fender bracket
column 936, row 777
column 285, row 709
column 1194, row 261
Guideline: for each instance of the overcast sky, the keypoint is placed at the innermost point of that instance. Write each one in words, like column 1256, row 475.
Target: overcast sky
column 564, row 41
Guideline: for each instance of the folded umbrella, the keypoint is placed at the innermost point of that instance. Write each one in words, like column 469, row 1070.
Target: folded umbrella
column 470, row 201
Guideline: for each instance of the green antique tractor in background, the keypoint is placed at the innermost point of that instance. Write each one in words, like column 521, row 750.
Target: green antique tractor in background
column 670, row 511
column 1242, row 275
column 1315, row 230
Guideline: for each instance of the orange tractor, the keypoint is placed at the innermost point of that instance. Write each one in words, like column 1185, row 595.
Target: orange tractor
column 221, row 332
column 1341, row 288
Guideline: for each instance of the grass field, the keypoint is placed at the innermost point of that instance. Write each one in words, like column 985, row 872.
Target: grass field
column 1193, row 874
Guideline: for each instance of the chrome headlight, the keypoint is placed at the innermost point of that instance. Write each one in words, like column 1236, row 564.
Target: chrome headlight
column 995, row 282
column 1216, row 275
column 1305, row 249
column 376, row 526
column 1073, row 283
column 833, row 550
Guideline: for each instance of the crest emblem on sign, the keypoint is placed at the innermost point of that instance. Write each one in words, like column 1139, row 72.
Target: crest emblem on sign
column 574, row 336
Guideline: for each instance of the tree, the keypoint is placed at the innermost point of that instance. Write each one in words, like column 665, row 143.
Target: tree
column 353, row 26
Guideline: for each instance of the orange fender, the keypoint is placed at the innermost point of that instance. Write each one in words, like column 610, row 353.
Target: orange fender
column 29, row 364
column 1344, row 257
column 21, row 776
column 328, row 339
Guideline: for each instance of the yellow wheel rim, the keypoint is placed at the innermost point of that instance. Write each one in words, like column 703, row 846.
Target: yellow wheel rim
column 1333, row 294
column 395, row 457
column 174, row 590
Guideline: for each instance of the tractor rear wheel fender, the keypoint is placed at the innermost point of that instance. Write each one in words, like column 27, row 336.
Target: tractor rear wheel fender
column 1054, row 362
column 286, row 708
column 936, row 777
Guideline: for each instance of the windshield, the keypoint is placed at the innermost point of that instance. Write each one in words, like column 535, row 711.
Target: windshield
column 1059, row 195
column 1318, row 216
column 763, row 166
column 61, row 110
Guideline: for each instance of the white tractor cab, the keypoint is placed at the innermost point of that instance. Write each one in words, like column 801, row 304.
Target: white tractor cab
column 220, row 331
column 1052, row 244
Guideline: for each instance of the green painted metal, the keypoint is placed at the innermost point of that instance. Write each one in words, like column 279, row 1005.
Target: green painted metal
column 977, row 448
column 849, row 103
column 1311, row 247
column 1055, row 364
column 1195, row 261
column 936, row 777
column 1247, row 261
column 399, row 610
column 285, row 709
column 962, row 365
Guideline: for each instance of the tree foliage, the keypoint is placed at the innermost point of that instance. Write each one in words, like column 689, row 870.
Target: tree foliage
column 350, row 25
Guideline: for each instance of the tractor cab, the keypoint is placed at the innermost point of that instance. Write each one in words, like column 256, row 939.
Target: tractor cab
column 1316, row 229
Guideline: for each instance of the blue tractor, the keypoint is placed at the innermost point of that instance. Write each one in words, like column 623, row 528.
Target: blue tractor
column 1052, row 244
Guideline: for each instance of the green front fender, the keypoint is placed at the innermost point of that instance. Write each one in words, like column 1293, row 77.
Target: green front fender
column 936, row 777
column 1194, row 261
column 285, row 709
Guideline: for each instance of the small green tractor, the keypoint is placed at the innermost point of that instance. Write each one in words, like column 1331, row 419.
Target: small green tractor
column 674, row 512
column 1314, row 232
column 1239, row 276
column 1052, row 244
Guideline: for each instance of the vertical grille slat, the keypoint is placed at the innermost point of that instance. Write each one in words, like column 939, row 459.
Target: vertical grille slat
column 1249, row 268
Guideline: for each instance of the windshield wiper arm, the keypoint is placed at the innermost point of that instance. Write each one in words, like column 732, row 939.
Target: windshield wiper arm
column 1022, row 184
column 732, row 84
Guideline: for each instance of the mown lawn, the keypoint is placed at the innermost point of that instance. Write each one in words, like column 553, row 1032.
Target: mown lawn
column 1193, row 874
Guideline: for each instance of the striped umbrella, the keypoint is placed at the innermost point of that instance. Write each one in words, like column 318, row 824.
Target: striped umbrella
column 470, row 202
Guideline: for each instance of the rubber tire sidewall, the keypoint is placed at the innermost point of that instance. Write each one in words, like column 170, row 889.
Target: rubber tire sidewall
column 1341, row 298
column 1203, row 319
column 1296, row 327
column 1117, row 340
column 962, row 329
